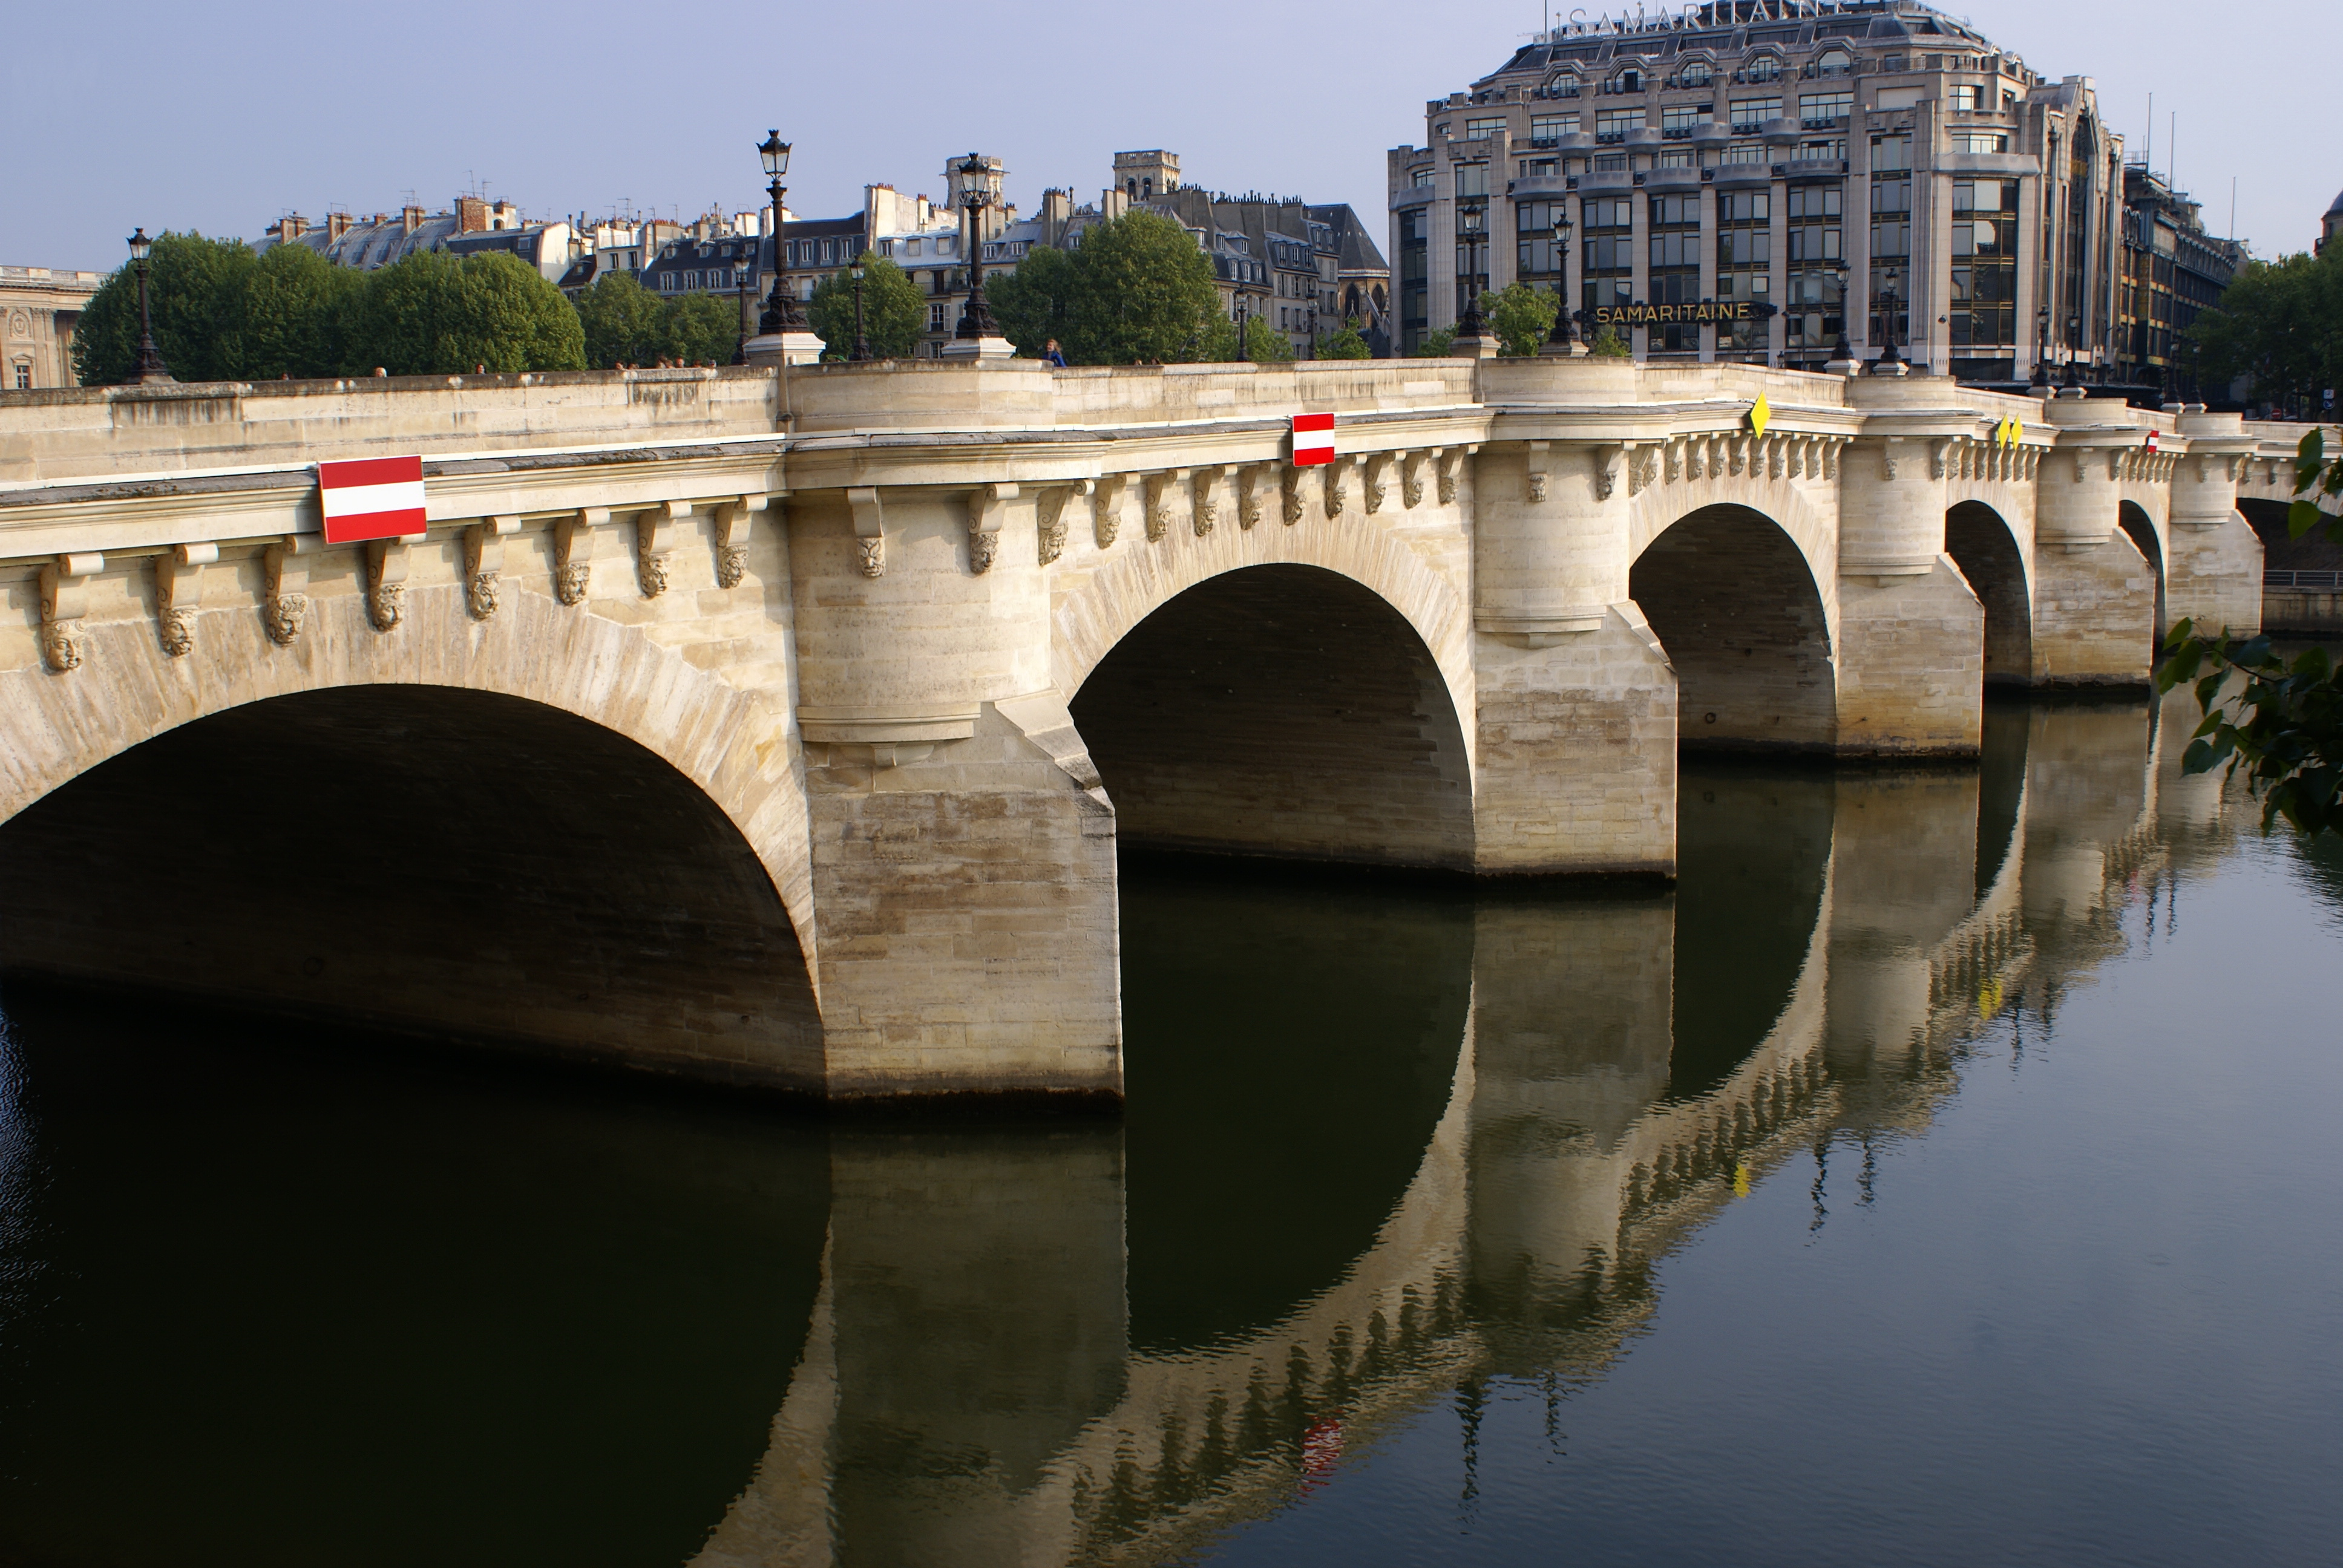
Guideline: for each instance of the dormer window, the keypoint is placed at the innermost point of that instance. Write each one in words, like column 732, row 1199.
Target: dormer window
column 1763, row 68
column 1834, row 63
column 1695, row 73
column 1563, row 86
column 1630, row 80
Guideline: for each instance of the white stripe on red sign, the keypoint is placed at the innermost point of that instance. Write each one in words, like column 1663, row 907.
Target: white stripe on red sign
column 371, row 498
column 1313, row 439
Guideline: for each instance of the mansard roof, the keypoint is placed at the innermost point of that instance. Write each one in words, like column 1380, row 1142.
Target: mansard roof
column 1731, row 27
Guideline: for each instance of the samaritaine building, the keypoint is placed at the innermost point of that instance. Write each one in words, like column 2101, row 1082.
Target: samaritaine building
column 1750, row 180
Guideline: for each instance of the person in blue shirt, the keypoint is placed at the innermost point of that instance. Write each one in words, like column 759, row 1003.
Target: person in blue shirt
column 1053, row 354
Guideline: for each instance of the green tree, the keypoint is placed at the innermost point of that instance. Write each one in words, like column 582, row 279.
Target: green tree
column 2279, row 324
column 290, row 313
column 620, row 319
column 1030, row 303
column 2279, row 723
column 433, row 313
column 1609, row 345
column 1141, row 292
column 1436, row 343
column 698, row 328
column 894, row 312
column 1520, row 316
column 1265, row 345
column 1347, row 344
column 193, row 293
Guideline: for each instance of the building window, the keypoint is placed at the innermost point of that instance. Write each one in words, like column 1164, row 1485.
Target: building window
column 1613, row 125
column 1745, row 254
column 1695, row 73
column 1985, row 263
column 1674, row 249
column 24, row 379
column 1676, row 157
column 1966, row 99
column 1763, row 68
column 1537, row 168
column 1607, row 260
column 1609, row 162
column 1564, row 86
column 1475, row 129
column 1549, row 128
column 1834, row 63
column 886, row 247
column 1472, row 179
column 1819, row 110
column 1534, row 248
column 1831, row 149
column 1751, row 114
column 936, row 316
column 1682, row 120
column 1980, row 141
column 1745, row 153
column 1421, row 178
column 1630, row 80
column 1414, row 287
column 1817, row 283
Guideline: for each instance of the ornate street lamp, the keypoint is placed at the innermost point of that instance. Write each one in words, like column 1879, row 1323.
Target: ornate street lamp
column 150, row 367
column 861, row 350
column 1888, row 356
column 1563, row 338
column 782, row 312
column 976, row 317
column 2074, row 337
column 1241, row 356
column 2041, row 377
column 741, row 274
column 1470, row 327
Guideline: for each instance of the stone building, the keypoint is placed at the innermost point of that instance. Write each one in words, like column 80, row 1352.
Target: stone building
column 39, row 307
column 2330, row 226
column 2172, row 271
column 1750, row 180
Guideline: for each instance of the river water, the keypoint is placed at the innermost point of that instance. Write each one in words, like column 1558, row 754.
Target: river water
column 1943, row 1171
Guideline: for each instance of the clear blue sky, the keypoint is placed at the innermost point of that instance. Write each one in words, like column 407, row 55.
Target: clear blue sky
column 220, row 118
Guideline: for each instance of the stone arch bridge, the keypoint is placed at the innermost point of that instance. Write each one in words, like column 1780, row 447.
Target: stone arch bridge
column 781, row 724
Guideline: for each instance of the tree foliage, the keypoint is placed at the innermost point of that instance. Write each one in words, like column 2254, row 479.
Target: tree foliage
column 1265, row 345
column 1520, row 316
column 620, row 319
column 223, row 313
column 194, row 289
column 436, row 314
column 1344, row 345
column 1135, row 291
column 1436, row 343
column 2280, row 326
column 1609, row 345
column 2278, row 723
column 699, row 328
column 894, row 312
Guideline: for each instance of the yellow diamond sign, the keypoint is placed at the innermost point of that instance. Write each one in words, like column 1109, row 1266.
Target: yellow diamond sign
column 1759, row 412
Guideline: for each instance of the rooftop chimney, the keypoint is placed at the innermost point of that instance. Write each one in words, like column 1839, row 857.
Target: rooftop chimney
column 410, row 218
column 471, row 214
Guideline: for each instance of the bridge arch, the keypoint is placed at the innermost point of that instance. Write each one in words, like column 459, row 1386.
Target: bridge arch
column 1984, row 546
column 532, row 739
column 2135, row 522
column 1734, row 600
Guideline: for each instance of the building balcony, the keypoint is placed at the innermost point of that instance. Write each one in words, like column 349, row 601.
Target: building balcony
column 1610, row 138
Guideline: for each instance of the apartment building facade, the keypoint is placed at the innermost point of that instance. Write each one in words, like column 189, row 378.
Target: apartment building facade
column 1775, row 181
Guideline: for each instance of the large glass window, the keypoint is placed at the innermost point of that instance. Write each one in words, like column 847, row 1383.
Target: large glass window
column 1967, row 99
column 1817, row 265
column 1979, row 141
column 1414, row 277
column 1608, row 262
column 1744, row 250
column 1679, row 120
column 1695, row 73
column 1475, row 129
column 1613, row 125
column 1675, row 274
column 1472, row 254
column 1534, row 248
column 1763, row 68
column 1547, row 128
column 1472, row 180
column 1745, row 153
column 1818, row 110
column 1985, row 263
column 1750, row 114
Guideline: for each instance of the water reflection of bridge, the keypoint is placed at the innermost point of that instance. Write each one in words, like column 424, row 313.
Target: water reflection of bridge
column 971, row 1391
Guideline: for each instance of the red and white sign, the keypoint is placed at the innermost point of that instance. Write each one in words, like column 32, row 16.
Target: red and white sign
column 1313, row 439
column 371, row 498
column 2152, row 435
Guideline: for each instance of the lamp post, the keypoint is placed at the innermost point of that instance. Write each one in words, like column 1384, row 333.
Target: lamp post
column 1470, row 327
column 1888, row 356
column 1563, row 338
column 782, row 312
column 1241, row 356
column 2041, row 377
column 861, row 350
column 976, row 317
column 150, row 367
column 2074, row 365
column 741, row 274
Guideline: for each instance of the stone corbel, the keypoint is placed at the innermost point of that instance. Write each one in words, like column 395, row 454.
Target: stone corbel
column 1290, row 487
column 1539, row 452
column 1338, row 485
column 1737, row 453
column 65, row 597
column 1891, row 452
column 1606, row 470
column 1376, row 484
column 1106, row 508
column 1830, row 456
column 1671, row 462
column 1940, row 454
column 1050, row 519
column 386, row 580
column 1204, row 497
column 987, row 504
column 484, row 562
column 285, row 573
column 1410, row 476
column 573, row 552
column 1154, row 492
column 180, row 594
column 1253, row 483
column 730, row 535
column 654, row 538
column 1450, row 459
column 870, row 529
column 2114, row 455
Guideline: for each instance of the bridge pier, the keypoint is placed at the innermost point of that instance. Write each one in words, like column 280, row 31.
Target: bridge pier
column 2213, row 561
column 1911, row 632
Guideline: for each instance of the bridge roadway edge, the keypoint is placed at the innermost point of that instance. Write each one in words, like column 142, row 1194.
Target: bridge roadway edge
column 859, row 626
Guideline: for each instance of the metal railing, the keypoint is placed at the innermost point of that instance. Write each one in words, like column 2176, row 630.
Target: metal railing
column 2331, row 580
